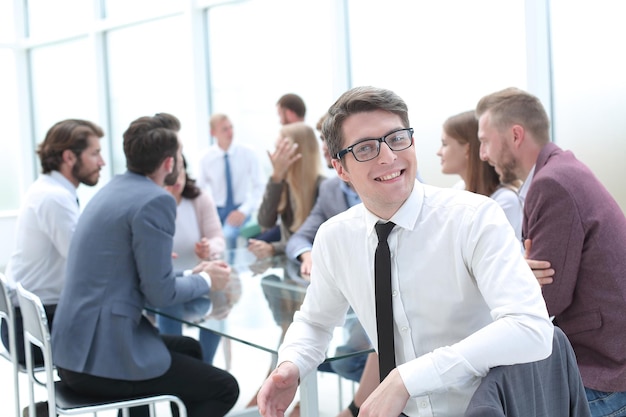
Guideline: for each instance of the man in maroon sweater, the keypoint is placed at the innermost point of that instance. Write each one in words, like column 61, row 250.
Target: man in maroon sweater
column 576, row 225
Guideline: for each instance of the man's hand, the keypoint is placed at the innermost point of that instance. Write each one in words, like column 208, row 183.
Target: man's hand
column 235, row 218
column 278, row 390
column 219, row 271
column 305, row 266
column 541, row 269
column 260, row 248
column 389, row 399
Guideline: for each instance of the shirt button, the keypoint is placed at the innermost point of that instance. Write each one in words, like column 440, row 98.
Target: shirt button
column 394, row 293
column 404, row 329
column 423, row 404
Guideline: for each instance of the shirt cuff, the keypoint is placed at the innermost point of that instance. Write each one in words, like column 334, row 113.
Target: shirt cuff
column 203, row 274
column 206, row 277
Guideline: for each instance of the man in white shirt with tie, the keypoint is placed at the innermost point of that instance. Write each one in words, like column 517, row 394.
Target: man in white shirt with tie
column 246, row 178
column 70, row 156
column 463, row 298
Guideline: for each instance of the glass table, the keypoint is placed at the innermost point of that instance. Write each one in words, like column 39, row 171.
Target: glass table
column 257, row 310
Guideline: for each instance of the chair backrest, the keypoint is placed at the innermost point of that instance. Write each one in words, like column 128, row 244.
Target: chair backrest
column 36, row 332
column 34, row 318
column 7, row 314
column 6, row 306
column 550, row 387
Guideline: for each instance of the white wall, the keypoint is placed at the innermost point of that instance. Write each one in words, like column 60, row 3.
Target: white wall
column 589, row 68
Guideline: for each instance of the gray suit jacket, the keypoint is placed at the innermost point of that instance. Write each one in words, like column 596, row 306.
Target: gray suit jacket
column 330, row 201
column 548, row 388
column 120, row 259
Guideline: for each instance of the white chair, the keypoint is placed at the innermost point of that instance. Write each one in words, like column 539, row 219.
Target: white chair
column 61, row 399
column 7, row 314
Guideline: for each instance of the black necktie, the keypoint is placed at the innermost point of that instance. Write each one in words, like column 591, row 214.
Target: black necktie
column 384, row 311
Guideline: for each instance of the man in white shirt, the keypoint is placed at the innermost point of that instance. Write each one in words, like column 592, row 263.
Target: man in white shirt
column 464, row 298
column 70, row 156
column 247, row 179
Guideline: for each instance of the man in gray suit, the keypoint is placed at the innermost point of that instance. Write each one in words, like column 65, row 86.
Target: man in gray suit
column 119, row 261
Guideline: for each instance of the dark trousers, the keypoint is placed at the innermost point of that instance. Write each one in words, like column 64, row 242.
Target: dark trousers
column 19, row 335
column 205, row 390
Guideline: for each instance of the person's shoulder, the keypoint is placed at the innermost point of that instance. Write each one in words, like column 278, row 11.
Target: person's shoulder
column 505, row 192
column 243, row 149
column 47, row 190
column 136, row 188
column 437, row 196
column 331, row 182
column 211, row 152
column 352, row 217
column 202, row 200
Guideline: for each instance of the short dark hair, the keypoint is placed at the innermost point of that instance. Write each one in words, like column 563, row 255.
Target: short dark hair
column 294, row 103
column 359, row 100
column 149, row 140
column 67, row 134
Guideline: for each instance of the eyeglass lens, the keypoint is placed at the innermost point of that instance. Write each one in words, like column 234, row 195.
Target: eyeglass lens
column 369, row 149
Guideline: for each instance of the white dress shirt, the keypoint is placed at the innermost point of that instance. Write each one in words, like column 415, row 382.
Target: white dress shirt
column 45, row 226
column 523, row 191
column 464, row 299
column 511, row 203
column 247, row 178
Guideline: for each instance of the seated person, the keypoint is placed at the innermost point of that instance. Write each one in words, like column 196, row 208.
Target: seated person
column 70, row 156
column 198, row 237
column 461, row 295
column 119, row 261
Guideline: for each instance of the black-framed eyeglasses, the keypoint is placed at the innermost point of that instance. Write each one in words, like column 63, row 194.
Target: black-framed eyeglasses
column 367, row 149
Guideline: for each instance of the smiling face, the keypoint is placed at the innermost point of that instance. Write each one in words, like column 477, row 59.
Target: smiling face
column 454, row 155
column 385, row 182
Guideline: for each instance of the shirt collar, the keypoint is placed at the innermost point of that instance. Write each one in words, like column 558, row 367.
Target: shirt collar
column 526, row 184
column 350, row 194
column 60, row 178
column 406, row 216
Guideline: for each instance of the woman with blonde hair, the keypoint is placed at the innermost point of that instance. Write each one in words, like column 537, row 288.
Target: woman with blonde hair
column 292, row 188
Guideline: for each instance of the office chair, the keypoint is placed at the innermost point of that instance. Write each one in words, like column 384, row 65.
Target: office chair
column 61, row 399
column 548, row 388
column 7, row 314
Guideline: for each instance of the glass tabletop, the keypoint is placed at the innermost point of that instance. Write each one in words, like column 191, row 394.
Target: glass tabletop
column 258, row 306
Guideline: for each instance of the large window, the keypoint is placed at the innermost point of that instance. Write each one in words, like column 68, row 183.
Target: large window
column 64, row 87
column 9, row 165
column 112, row 61
column 254, row 61
column 590, row 86
column 147, row 75
column 48, row 19
column 441, row 57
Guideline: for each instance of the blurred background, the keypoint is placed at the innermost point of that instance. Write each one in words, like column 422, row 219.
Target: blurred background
column 111, row 61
